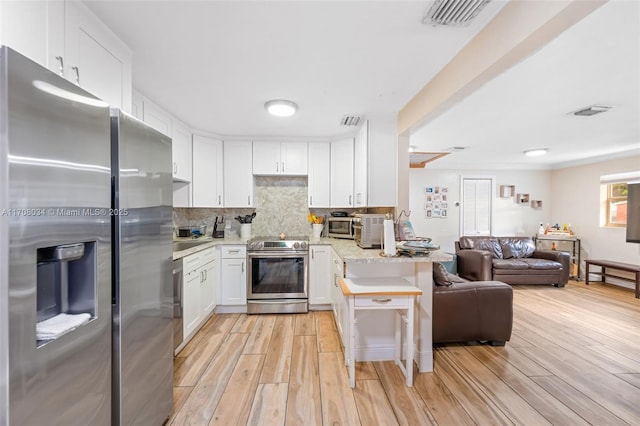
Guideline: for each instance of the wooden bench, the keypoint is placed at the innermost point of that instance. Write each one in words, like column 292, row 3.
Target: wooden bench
column 619, row 266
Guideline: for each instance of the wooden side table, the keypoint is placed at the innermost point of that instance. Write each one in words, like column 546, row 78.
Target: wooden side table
column 375, row 294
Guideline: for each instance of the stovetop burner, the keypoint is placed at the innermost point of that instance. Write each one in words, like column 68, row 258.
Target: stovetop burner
column 276, row 244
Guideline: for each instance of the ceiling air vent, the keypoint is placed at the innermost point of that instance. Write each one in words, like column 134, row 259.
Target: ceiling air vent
column 592, row 110
column 350, row 120
column 457, row 13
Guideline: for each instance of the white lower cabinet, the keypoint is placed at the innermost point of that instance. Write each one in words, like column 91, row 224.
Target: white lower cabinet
column 199, row 289
column 320, row 274
column 233, row 275
column 338, row 300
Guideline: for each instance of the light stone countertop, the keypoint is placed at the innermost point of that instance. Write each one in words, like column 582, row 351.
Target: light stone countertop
column 206, row 243
column 346, row 249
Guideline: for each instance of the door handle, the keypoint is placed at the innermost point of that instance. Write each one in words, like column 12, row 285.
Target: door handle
column 277, row 167
column 311, row 200
column 381, row 300
column 61, row 68
column 248, row 200
column 242, row 266
column 350, row 199
column 219, row 200
column 77, row 71
column 283, row 167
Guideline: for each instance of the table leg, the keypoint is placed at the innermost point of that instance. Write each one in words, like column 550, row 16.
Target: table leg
column 352, row 343
column 409, row 339
column 398, row 338
column 586, row 273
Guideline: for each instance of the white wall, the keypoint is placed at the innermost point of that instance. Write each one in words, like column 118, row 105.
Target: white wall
column 509, row 218
column 576, row 196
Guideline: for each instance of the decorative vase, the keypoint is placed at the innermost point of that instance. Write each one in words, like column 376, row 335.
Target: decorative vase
column 317, row 229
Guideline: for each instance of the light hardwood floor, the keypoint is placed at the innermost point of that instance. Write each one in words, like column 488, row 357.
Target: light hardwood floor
column 573, row 358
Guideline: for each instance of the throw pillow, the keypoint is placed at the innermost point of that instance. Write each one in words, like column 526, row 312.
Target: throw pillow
column 442, row 277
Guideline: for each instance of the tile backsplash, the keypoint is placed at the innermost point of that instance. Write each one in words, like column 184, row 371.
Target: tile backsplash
column 280, row 206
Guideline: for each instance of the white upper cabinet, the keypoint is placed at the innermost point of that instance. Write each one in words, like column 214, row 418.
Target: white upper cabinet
column 319, row 174
column 95, row 59
column 207, row 172
column 280, row 158
column 360, row 166
column 181, row 151
column 156, row 117
column 238, row 174
column 70, row 40
column 342, row 173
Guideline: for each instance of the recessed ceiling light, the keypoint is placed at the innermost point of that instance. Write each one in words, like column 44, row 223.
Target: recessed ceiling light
column 537, row 152
column 281, row 107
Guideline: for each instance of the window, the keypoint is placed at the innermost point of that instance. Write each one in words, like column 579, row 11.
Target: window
column 616, row 204
column 477, row 205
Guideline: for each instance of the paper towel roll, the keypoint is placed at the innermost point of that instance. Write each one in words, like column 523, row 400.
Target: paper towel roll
column 389, row 238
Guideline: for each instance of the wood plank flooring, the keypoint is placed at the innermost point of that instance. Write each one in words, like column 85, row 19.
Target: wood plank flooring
column 573, row 359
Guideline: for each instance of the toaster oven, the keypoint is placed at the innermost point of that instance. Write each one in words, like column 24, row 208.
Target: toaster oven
column 368, row 230
column 340, row 227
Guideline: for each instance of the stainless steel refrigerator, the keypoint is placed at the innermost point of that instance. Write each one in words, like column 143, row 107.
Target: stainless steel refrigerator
column 55, row 245
column 85, row 257
column 143, row 279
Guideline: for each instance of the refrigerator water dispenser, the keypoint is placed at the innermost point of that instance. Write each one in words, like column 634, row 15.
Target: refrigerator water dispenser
column 66, row 280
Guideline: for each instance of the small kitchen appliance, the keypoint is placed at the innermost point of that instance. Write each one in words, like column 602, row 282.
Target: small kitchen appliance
column 368, row 230
column 340, row 227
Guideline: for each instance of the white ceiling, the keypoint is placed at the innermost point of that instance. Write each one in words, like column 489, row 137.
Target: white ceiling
column 597, row 61
column 213, row 64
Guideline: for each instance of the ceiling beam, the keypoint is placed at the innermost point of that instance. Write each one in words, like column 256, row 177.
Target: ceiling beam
column 517, row 31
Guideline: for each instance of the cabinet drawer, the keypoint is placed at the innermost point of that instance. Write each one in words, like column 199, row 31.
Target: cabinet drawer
column 208, row 255
column 234, row 252
column 400, row 302
column 191, row 262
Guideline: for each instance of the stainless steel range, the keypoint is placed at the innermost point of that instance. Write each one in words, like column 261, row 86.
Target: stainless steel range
column 277, row 275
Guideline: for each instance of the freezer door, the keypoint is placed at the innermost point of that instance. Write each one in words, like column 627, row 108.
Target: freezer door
column 143, row 307
column 56, row 154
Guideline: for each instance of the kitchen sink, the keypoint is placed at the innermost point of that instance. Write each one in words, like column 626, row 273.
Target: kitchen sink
column 184, row 245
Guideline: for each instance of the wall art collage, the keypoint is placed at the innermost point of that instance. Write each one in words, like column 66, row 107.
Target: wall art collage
column 436, row 202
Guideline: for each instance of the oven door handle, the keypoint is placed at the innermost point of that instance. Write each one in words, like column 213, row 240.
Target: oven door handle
column 286, row 254
column 277, row 302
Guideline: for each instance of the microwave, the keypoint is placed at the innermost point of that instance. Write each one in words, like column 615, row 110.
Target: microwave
column 340, row 227
column 368, row 230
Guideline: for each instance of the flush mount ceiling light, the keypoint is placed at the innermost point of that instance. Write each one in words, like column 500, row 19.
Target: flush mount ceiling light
column 281, row 107
column 591, row 110
column 537, row 152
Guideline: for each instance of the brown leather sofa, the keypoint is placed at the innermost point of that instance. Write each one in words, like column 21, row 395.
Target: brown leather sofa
column 466, row 311
column 512, row 260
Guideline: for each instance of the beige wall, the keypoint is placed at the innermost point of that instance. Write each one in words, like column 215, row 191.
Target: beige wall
column 575, row 194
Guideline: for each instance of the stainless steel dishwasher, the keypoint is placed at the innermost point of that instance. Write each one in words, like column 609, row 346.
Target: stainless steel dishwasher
column 177, row 303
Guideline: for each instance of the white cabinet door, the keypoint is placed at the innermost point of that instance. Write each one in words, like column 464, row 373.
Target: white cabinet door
column 279, row 158
column 191, row 289
column 360, row 166
column 338, row 301
column 319, row 174
column 238, row 175
column 208, row 289
column 95, row 58
column 266, row 158
column 293, row 156
column 207, row 183
column 29, row 28
column 156, row 118
column 233, row 282
column 320, row 274
column 342, row 173
column 181, row 151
